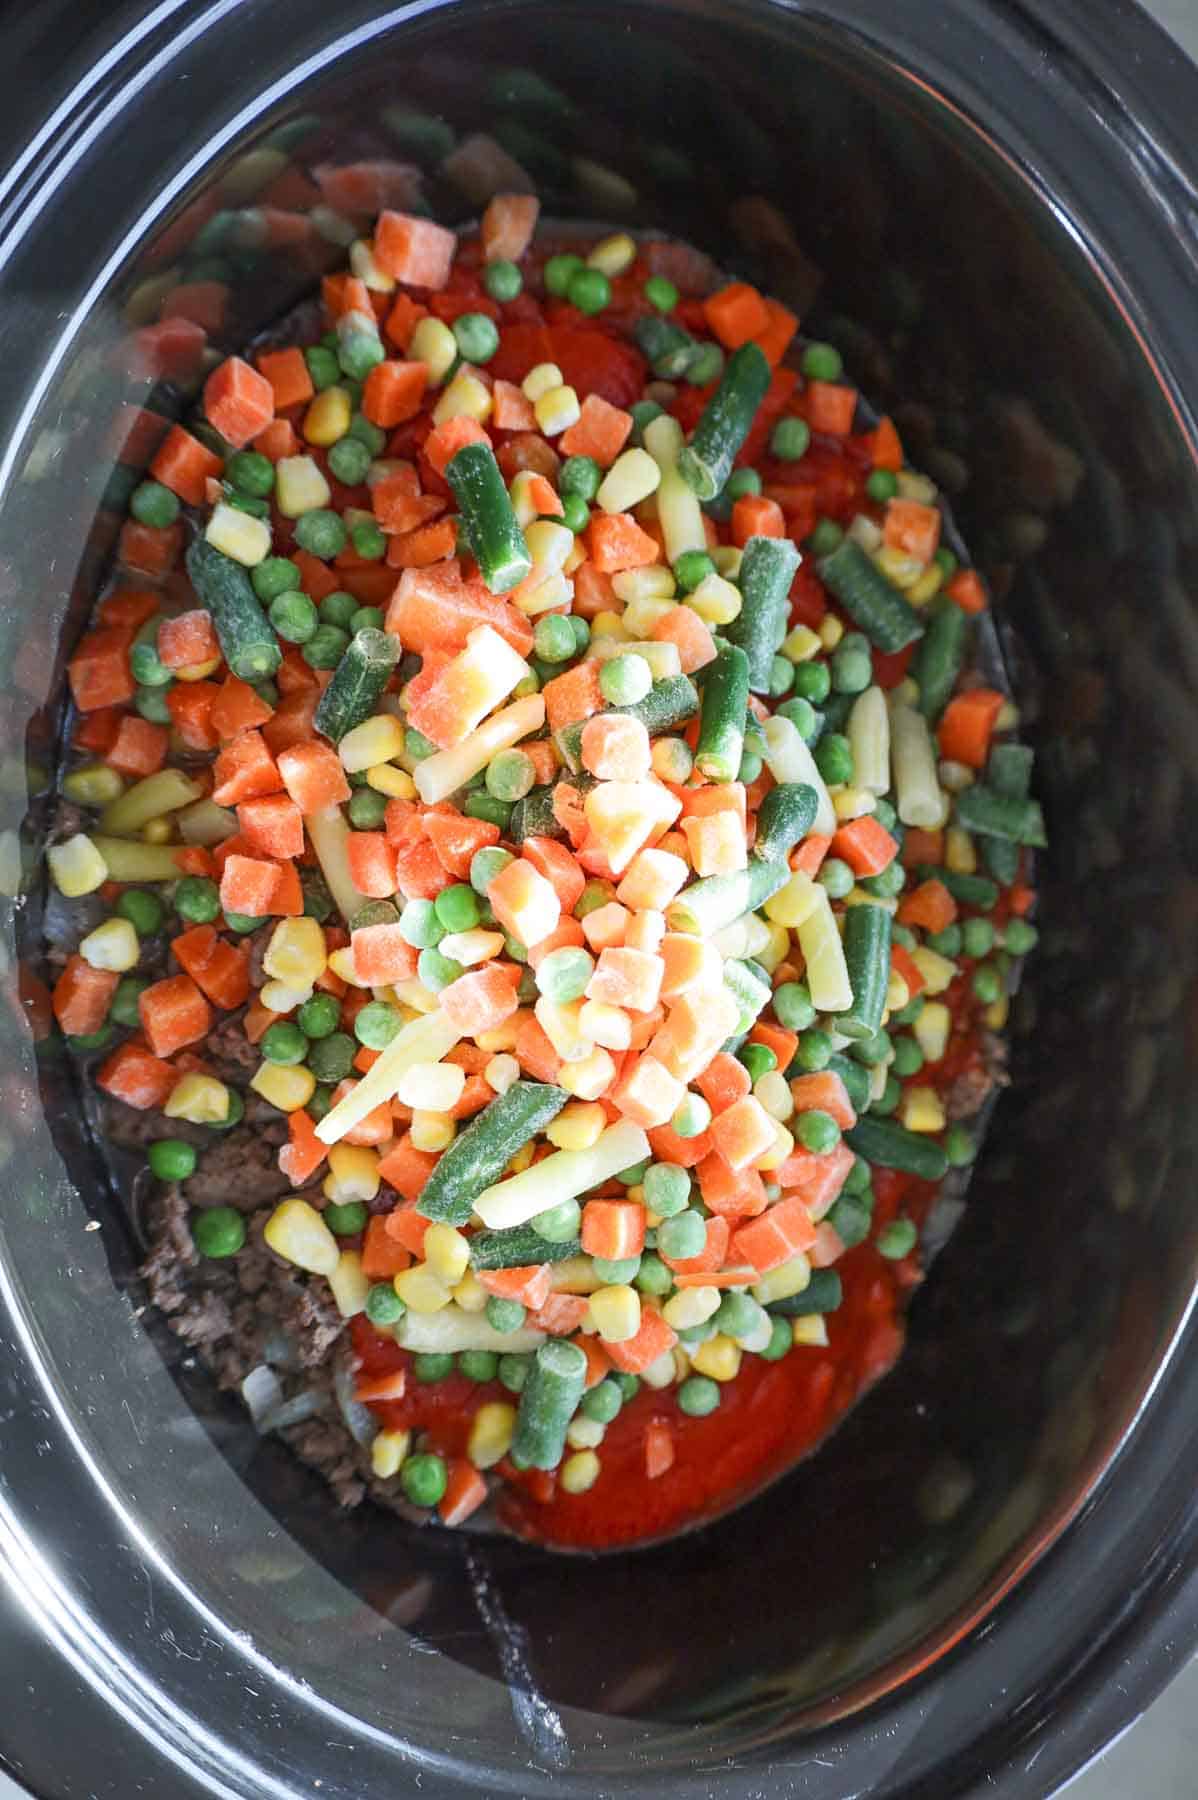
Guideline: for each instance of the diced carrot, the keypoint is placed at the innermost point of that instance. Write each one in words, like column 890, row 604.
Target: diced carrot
column 652, row 1339
column 508, row 225
column 755, row 516
column 775, row 340
column 403, row 319
column 288, row 375
column 817, row 1180
column 371, row 864
column 97, row 730
column 613, row 1228
column 531, row 1285
column 238, row 708
column 713, row 1254
column 419, row 871
column 913, row 528
column 742, row 1132
column 866, row 846
column 687, row 1152
column 378, row 1126
column 99, row 671
column 627, row 978
column 434, row 609
column 382, row 954
column 967, row 726
column 303, row 1154
column 684, row 628
column 292, row 724
column 774, row 1037
column 730, row 1193
column 247, row 885
column 220, row 970
column 150, row 549
column 824, row 1092
column 777, row 1235
column 593, row 591
column 382, row 1255
column 598, row 1361
column 573, row 696
column 902, row 963
column 406, row 1169
column 139, row 747
column 830, row 408
column 413, row 250
column 187, row 639
column 244, row 770
column 510, row 410
column 374, row 1389
column 444, row 441
column 318, row 582
column 742, row 1276
column 135, row 1076
column 736, row 313
column 174, row 1013
column 687, row 963
column 560, row 1315
column 555, row 863
column 194, row 859
column 543, row 756
column 400, row 508
column 601, row 431
column 616, row 542
column 534, row 1052
column 424, row 547
column 272, row 825
column 407, row 1227
column 966, row 591
column 465, row 1491
column 929, row 906
column 456, row 838
column 239, row 402
column 128, row 606
column 136, row 434
column 183, row 464
column 646, row 1092
column 190, row 705
column 887, row 449
column 659, row 1448
column 82, row 996
column 566, row 935
column 277, row 440
column 479, row 1001
column 723, row 1082
column 476, row 1094
column 524, row 902
column 921, row 846
column 344, row 293
column 393, row 392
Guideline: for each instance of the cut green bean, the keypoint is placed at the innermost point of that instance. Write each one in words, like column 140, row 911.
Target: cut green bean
column 867, row 956
column 938, row 660
column 358, row 680
column 767, row 569
column 722, row 724
column 870, row 599
column 246, row 637
column 706, row 462
column 979, row 809
column 481, row 1152
column 894, row 1147
column 490, row 521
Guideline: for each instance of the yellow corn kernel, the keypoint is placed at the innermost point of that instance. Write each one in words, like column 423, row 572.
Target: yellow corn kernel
column 198, row 671
column 959, row 853
column 585, row 1434
column 76, row 866
column 281, row 997
column 898, row 993
column 501, row 1073
column 432, row 1131
column 651, row 582
column 609, row 1027
column 954, row 777
column 299, row 486
column 434, row 344
column 237, row 535
column 914, row 486
column 928, row 585
column 501, row 1039
column 616, row 1312
column 375, row 740
column 790, row 1278
column 921, row 1110
column 906, row 693
column 296, row 952
column 579, row 1472
column 590, row 1077
column 422, row 1289
column 557, row 410
column 363, row 265
column 853, row 803
column 286, row 1088
column 472, row 947
column 446, row 1253
column 575, row 1275
column 995, row 1015
column 794, row 904
column 491, row 1432
column 782, row 1147
column 549, row 544
column 609, row 625
column 353, row 1173
column 520, row 1161
column 663, row 1371
column 296, row 1232
column 93, row 785
column 810, row 1329
column 341, row 962
column 1008, row 716
column 830, row 632
column 397, row 784
column 541, row 380
column 348, row 1284
column 157, row 831
column 389, row 1452
column 690, row 1307
column 642, row 613
column 578, row 554
column 931, row 1030
column 548, row 591
column 410, row 992
column 801, row 644
column 577, row 1126
column 632, row 478
column 716, row 600
column 937, row 970
column 520, row 492
column 773, row 1093
column 719, row 1358
column 776, row 948
column 327, row 418
column 470, row 1294
column 431, row 1087
column 466, row 397
column 613, row 255
column 201, row 1099
column 112, row 945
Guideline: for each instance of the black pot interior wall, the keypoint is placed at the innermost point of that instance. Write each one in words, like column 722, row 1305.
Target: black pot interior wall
column 971, row 315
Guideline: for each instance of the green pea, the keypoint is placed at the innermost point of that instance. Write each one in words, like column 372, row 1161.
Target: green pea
column 486, row 806
column 959, row 1147
column 602, row 1402
column 589, row 290
column 947, row 942
column 1019, row 937
column 652, row 1276
column 319, row 1016
column 781, row 1341
column 793, row 1007
column 485, row 865
column 503, row 280
column 987, row 983
column 144, row 911
column 383, row 1305
column 977, row 937
column 368, row 539
column 822, row 362
column 331, row 1058
column 153, row 504
column 124, row 1009
column 897, row 1239
column 251, row 473
column 514, row 1365
column 349, row 459
column 504, row 1315
column 790, row 439
column 367, row 809
column 834, row 758
column 553, row 638
column 887, row 885
column 358, row 352
column 692, row 1117
column 742, row 482
column 234, row 1114
column 852, row 669
column 477, row 337
column 559, row 272
column 825, row 538
column 274, row 576
column 803, row 717
column 478, row 1365
column 171, row 1159
column 563, row 975
column 908, row 1057
column 643, row 413
column 218, row 1232
column 294, row 616
column 558, row 1224
column 667, row 1190
column 692, row 567
column 432, row 1365
column 813, row 681
column 338, row 609
column 698, row 1396
column 346, row 1218
column 376, row 1024
column 818, row 1132
column 325, row 648
column 197, row 899
column 420, row 926
column 632, row 1176
column 682, row 1236
column 284, row 1043
column 616, row 1270
column 510, row 775
column 150, row 702
column 836, row 878
column 872, row 1050
column 660, row 293
column 706, row 365
column 881, row 485
column 437, row 971
column 321, row 532
column 624, row 680
column 758, row 1059
column 858, row 1177
column 580, row 475
column 323, row 367
column 815, row 1050
column 456, row 907
column 424, row 1478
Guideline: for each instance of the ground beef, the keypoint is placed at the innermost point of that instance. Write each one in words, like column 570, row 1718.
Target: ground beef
column 970, row 1091
column 228, row 1049
column 238, row 1168
column 66, row 820
column 132, row 1129
column 259, row 945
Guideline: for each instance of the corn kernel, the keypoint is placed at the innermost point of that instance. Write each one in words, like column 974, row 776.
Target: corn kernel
column 112, row 945
column 491, row 1432
column 286, row 1088
column 928, row 585
column 327, row 418
column 898, row 567
column 578, row 555
column 810, row 1329
column 773, row 1092
column 434, row 344
column 616, row 1312
column 921, row 1110
column 959, row 853
column 914, row 486
column 422, row 1289
column 937, row 970
column 300, row 486
column 613, row 255
column 375, row 740
column 389, row 1452
column 789, row 1278
column 397, row 784
column 501, row 1073
column 296, row 952
column 719, row 1358
column 432, row 1131
column 579, row 1472
column 472, row 947
column 931, row 1030
column 609, row 625
column 201, row 1099
column 830, row 632
column 411, row 992
column 662, row 1371
column 776, row 948
column 198, row 671
column 281, row 997
column 898, row 994
column 341, row 962
column 76, row 866
column 577, row 1126
column 651, row 582
column 782, row 1147
column 801, row 644
column 157, row 831
column 296, row 1232
column 470, row 1294
column 557, row 410
column 715, row 600
column 236, row 534
column 548, row 591
column 431, row 1087
column 466, row 397
column 353, row 1173
column 501, row 1038
column 561, row 1024
column 1008, row 716
column 690, row 1307
column 853, row 803
column 587, row 1079
column 585, row 1434
column 348, row 1284
column 361, row 261
column 793, row 904
column 520, row 1161
column 632, row 478
column 93, row 785
column 446, row 1253
column 575, row 1275
column 541, row 380
column 549, row 544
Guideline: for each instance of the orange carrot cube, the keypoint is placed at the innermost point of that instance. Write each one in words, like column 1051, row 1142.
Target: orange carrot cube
column 780, row 1233
column 689, row 964
column 627, row 978
column 647, row 1093
column 743, row 1132
column 524, row 903
column 605, row 927
column 652, row 879
column 613, row 1228
column 716, row 842
column 615, row 747
column 413, row 250
column 480, row 1000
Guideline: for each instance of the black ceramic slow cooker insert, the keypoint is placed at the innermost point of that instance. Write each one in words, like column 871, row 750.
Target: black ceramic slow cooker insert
column 990, row 1569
